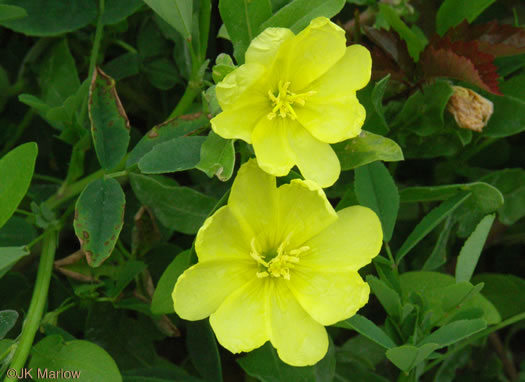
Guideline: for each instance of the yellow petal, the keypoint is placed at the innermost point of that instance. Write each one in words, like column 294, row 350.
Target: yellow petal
column 238, row 123
column 316, row 160
column 203, row 287
column 329, row 297
column 240, row 321
column 313, row 52
column 348, row 244
column 349, row 74
column 298, row 338
column 239, row 86
column 253, row 199
column 263, row 48
column 271, row 146
column 223, row 236
column 304, row 211
column 332, row 120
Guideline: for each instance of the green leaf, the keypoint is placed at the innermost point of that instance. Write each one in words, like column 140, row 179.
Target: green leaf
column 126, row 274
column 438, row 256
column 117, row 10
column 508, row 118
column 162, row 303
column 7, row 319
column 217, row 157
column 223, row 66
column 375, row 188
column 367, row 148
column 17, row 231
column 50, row 17
column 203, row 350
column 90, row 361
column 430, row 221
column 367, row 328
column 423, row 112
column 164, row 132
column 109, row 122
column 388, row 297
column 511, row 183
column 177, row 154
column 99, row 214
column 454, row 332
column 371, row 97
column 506, row 292
column 471, row 250
column 242, row 19
column 265, row 365
column 177, row 13
column 152, row 374
column 11, row 12
column 453, row 12
column 408, row 356
column 297, row 14
column 16, row 171
column 433, row 288
column 416, row 42
column 180, row 208
column 9, row 256
column 458, row 294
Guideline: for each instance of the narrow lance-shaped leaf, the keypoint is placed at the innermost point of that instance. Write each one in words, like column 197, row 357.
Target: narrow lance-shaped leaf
column 454, row 332
column 469, row 254
column 407, row 357
column 367, row 328
column 430, row 222
column 7, row 321
column 162, row 302
column 203, row 350
column 16, row 171
column 453, row 12
column 99, row 217
column 217, row 157
column 375, row 188
column 109, row 122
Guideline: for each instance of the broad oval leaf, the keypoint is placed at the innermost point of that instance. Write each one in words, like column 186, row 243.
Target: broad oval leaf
column 50, row 17
column 11, row 12
column 453, row 12
column 408, row 356
column 177, row 154
column 367, row 148
column 506, row 292
column 109, row 122
column 375, row 188
column 78, row 359
column 16, row 171
column 99, row 217
column 180, row 208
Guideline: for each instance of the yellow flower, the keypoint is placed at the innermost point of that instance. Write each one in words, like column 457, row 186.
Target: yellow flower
column 278, row 264
column 293, row 97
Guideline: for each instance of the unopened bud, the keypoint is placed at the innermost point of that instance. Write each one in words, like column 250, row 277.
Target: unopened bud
column 470, row 110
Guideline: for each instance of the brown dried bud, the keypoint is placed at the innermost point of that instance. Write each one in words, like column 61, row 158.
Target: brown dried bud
column 470, row 110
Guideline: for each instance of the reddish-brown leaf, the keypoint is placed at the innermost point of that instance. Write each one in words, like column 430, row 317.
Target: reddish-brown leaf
column 461, row 60
column 493, row 38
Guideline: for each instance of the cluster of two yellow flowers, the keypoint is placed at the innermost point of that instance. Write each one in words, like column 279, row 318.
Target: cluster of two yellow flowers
column 279, row 264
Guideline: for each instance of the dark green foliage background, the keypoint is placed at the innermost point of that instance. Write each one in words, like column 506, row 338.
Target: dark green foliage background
column 451, row 201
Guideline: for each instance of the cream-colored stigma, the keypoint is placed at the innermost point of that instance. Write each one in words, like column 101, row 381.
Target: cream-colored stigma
column 282, row 103
column 280, row 264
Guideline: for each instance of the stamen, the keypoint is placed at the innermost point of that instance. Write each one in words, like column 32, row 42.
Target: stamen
column 282, row 103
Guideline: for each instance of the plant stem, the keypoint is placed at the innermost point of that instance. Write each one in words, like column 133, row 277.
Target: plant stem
column 38, row 302
column 185, row 102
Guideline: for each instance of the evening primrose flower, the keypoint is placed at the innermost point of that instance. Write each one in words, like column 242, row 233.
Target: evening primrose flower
column 293, row 97
column 278, row 264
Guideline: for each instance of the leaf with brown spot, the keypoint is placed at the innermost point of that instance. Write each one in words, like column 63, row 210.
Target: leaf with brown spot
column 100, row 209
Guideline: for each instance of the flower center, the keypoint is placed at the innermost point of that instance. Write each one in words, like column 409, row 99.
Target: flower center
column 282, row 103
column 277, row 263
